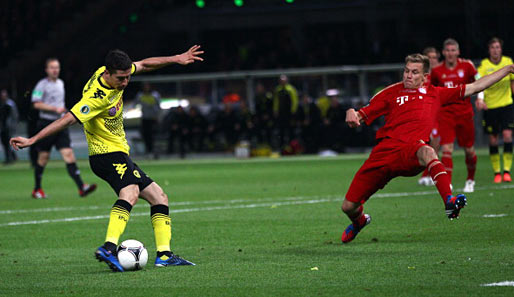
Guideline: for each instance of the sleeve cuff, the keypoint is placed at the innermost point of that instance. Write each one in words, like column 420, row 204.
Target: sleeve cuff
column 78, row 120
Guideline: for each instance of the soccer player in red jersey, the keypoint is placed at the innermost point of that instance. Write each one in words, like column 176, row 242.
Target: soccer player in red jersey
column 410, row 109
column 433, row 56
column 456, row 120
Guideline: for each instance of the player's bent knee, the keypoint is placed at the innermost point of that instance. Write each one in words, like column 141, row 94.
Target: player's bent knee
column 349, row 207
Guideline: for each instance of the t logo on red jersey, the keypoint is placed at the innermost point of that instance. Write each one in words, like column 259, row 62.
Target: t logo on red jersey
column 402, row 99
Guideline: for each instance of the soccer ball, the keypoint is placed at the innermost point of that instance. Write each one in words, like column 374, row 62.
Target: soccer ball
column 132, row 255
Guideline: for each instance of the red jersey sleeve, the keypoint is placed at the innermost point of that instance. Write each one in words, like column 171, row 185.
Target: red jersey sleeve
column 376, row 107
column 448, row 95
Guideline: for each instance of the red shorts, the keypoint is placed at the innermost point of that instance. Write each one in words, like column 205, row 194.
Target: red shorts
column 462, row 127
column 388, row 159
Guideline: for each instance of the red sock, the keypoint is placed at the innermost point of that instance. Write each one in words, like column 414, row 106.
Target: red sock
column 359, row 218
column 471, row 164
column 440, row 177
column 425, row 173
column 448, row 164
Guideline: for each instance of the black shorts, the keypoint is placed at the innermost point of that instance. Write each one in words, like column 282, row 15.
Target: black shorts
column 60, row 139
column 119, row 171
column 498, row 119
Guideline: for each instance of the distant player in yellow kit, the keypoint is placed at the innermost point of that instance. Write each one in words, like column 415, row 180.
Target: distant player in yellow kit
column 101, row 112
column 496, row 102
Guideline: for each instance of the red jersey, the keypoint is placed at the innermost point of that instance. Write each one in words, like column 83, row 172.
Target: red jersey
column 463, row 73
column 410, row 114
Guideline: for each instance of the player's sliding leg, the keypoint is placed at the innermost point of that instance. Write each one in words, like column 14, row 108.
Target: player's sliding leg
column 119, row 216
column 74, row 173
column 161, row 223
column 41, row 162
column 359, row 219
column 453, row 204
column 471, row 165
column 447, row 161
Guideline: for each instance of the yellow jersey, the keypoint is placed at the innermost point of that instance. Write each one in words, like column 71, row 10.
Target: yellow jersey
column 499, row 94
column 101, row 112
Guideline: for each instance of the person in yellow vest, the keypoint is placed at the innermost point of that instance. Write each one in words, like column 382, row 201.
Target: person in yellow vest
column 150, row 101
column 285, row 105
column 496, row 102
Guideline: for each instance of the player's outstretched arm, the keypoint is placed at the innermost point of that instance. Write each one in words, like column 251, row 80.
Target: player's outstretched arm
column 20, row 142
column 353, row 118
column 488, row 80
column 154, row 63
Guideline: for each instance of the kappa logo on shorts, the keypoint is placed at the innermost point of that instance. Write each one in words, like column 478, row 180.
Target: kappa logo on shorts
column 120, row 168
column 84, row 109
column 136, row 174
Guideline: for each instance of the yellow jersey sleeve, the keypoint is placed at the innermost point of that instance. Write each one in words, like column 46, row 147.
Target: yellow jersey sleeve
column 133, row 70
column 90, row 105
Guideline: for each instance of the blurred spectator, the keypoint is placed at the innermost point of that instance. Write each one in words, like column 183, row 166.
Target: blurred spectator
column 8, row 122
column 246, row 122
column 285, row 105
column 179, row 123
column 309, row 120
column 334, row 124
column 228, row 125
column 198, row 127
column 150, row 105
column 263, row 114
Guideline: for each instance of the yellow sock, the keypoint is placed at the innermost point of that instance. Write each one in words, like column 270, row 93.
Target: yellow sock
column 495, row 161
column 161, row 223
column 507, row 161
column 120, row 213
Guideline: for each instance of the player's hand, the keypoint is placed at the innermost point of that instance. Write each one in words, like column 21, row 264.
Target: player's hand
column 20, row 142
column 190, row 56
column 352, row 118
column 480, row 105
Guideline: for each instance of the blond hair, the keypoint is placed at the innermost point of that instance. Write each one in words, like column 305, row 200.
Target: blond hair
column 419, row 58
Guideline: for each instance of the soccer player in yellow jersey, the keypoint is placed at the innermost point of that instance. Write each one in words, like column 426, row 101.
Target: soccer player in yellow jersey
column 496, row 102
column 100, row 111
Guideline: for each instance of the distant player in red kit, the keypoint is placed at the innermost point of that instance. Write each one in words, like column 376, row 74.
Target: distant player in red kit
column 455, row 120
column 433, row 56
column 410, row 109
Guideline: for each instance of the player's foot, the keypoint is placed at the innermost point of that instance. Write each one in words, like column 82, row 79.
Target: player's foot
column 353, row 229
column 174, row 260
column 506, row 177
column 104, row 255
column 497, row 178
column 425, row 181
column 469, row 186
column 87, row 189
column 454, row 204
column 38, row 194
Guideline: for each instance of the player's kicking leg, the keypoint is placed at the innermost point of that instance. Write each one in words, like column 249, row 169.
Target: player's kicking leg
column 161, row 223
column 118, row 219
column 453, row 204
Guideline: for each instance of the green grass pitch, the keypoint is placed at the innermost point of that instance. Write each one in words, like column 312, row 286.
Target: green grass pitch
column 260, row 227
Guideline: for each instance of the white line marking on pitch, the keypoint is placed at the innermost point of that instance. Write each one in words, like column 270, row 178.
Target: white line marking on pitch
column 254, row 205
column 500, row 284
column 379, row 195
column 495, row 215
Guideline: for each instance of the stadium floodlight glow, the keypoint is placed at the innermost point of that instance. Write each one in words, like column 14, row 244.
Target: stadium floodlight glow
column 200, row 3
column 239, row 3
column 289, row 1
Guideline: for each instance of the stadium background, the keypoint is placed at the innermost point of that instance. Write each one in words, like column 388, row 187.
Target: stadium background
column 247, row 35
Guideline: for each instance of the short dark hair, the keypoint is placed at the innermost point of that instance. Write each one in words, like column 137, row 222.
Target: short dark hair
column 117, row 60
column 419, row 58
column 51, row 59
column 494, row 40
column 431, row 49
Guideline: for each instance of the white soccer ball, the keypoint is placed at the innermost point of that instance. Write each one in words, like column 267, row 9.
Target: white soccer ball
column 132, row 255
